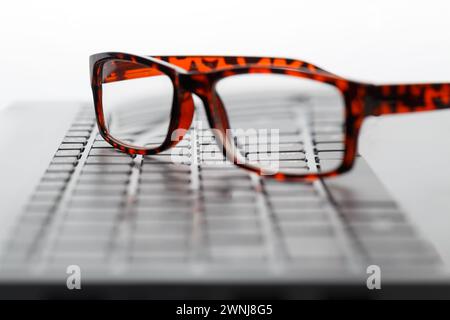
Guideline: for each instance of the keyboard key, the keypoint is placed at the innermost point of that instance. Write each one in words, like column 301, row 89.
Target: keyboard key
column 100, row 190
column 330, row 155
column 247, row 239
column 99, row 178
column 232, row 224
column 330, row 146
column 106, row 169
column 70, row 160
column 108, row 160
column 312, row 247
column 146, row 214
column 165, row 187
column 60, row 168
column 328, row 138
column 238, row 254
column 89, row 202
column 144, row 201
column 277, row 156
column 163, row 227
column 374, row 215
column 165, row 167
column 80, row 214
column 101, row 144
column 311, row 215
column 225, row 184
column 56, row 176
column 71, row 146
column 72, row 140
column 306, row 229
column 67, row 153
column 85, row 121
column 300, row 202
column 376, row 229
column 107, row 152
column 165, row 180
column 46, row 185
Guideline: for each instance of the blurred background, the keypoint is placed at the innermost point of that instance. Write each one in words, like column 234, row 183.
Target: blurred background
column 46, row 44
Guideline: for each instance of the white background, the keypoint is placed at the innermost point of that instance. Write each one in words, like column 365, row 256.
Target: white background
column 45, row 47
column 45, row 44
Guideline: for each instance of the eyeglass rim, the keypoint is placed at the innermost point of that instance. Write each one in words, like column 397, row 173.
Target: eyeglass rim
column 202, row 84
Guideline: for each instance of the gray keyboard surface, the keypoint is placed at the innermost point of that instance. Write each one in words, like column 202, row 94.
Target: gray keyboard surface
column 117, row 216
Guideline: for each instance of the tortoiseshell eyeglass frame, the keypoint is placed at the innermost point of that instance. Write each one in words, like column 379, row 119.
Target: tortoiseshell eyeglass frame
column 199, row 74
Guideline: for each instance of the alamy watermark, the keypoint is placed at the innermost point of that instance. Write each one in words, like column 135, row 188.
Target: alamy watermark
column 73, row 281
column 374, row 279
column 74, row 277
column 258, row 147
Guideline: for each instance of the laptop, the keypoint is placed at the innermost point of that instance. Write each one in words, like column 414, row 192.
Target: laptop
column 155, row 227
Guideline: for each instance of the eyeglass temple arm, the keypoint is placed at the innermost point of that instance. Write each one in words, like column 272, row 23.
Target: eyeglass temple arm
column 405, row 98
column 123, row 70
column 211, row 63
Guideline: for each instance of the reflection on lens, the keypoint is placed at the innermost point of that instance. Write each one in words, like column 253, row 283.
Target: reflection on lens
column 137, row 110
column 285, row 124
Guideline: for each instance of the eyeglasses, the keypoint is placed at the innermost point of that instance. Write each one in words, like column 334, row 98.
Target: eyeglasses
column 282, row 118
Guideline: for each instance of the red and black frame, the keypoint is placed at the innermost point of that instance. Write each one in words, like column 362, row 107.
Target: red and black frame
column 199, row 74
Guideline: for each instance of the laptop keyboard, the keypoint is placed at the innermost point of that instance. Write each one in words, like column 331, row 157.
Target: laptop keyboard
column 112, row 214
